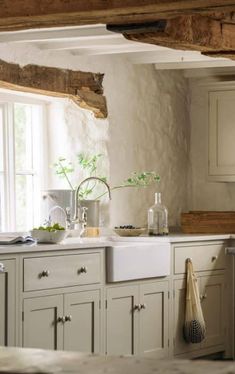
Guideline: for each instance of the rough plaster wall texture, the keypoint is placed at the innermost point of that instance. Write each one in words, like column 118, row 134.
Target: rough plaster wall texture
column 148, row 128
column 78, row 132
column 206, row 195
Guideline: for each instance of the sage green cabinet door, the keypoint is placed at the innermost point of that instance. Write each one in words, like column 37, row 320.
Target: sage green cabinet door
column 221, row 135
column 154, row 319
column 213, row 302
column 82, row 326
column 179, row 295
column 7, row 303
column 42, row 327
column 122, row 331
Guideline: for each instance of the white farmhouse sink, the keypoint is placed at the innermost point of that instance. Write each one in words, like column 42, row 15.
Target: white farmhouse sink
column 127, row 261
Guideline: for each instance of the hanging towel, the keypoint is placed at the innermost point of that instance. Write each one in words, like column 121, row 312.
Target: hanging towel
column 194, row 327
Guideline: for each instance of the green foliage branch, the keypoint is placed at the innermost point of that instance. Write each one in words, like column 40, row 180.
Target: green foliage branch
column 89, row 164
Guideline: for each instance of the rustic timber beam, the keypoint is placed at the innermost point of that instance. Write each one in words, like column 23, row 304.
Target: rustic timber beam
column 83, row 88
column 26, row 14
column 194, row 32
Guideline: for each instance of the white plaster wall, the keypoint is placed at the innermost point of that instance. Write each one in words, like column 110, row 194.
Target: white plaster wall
column 72, row 130
column 205, row 194
column 147, row 129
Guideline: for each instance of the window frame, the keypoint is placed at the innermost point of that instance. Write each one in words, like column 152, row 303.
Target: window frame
column 9, row 173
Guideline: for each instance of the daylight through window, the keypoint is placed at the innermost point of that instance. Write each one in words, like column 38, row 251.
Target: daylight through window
column 21, row 151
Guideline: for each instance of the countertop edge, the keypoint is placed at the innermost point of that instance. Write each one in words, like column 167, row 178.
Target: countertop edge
column 102, row 242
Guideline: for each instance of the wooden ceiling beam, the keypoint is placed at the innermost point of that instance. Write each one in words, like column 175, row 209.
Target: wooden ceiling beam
column 26, row 14
column 195, row 32
column 85, row 89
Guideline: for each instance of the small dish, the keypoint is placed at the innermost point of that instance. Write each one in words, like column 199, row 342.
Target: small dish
column 130, row 232
column 44, row 236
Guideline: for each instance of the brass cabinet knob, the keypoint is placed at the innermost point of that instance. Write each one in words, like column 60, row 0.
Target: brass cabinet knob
column 68, row 318
column 61, row 319
column 83, row 269
column 44, row 273
column 143, row 306
column 2, row 267
column 214, row 258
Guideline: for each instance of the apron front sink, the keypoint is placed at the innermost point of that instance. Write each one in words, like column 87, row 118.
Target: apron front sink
column 128, row 261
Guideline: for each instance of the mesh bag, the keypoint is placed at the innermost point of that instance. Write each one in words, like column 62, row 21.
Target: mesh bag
column 194, row 327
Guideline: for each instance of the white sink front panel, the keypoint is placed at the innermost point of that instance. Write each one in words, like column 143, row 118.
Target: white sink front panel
column 137, row 261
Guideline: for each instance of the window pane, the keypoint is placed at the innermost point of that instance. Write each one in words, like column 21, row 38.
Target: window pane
column 23, row 136
column 1, row 139
column 24, row 202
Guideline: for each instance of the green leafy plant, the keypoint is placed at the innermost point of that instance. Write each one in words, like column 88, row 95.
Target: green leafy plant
column 89, row 164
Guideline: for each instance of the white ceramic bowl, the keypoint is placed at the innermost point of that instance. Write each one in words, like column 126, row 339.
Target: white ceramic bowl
column 44, row 236
column 130, row 232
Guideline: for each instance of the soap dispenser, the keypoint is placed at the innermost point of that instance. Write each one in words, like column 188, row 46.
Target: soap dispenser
column 158, row 217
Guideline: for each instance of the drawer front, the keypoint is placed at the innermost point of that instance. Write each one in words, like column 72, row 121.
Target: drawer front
column 204, row 257
column 61, row 271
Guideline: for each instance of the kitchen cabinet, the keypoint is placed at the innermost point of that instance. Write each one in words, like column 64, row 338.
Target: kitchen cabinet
column 221, row 135
column 7, row 302
column 122, row 320
column 82, row 327
column 66, row 304
column 153, row 335
column 211, row 282
column 55, row 271
column 137, row 319
column 69, row 316
column 41, row 325
column 213, row 306
column 70, row 322
column 179, row 294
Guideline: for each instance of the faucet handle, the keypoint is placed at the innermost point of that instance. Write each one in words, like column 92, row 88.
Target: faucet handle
column 84, row 216
column 68, row 211
column 68, row 217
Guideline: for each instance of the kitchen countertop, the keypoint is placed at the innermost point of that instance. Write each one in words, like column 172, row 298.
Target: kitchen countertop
column 107, row 241
column 22, row 360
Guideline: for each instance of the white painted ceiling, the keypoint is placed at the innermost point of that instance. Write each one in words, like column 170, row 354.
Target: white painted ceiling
column 95, row 40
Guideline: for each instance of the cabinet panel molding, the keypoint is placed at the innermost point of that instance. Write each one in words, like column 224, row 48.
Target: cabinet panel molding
column 122, row 333
column 82, row 328
column 41, row 327
column 61, row 271
column 213, row 303
column 221, row 165
column 8, row 303
column 154, row 319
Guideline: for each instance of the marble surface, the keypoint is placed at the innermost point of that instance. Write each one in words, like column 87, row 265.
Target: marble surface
column 107, row 241
column 21, row 360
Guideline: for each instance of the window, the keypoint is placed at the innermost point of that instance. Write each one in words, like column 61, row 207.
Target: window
column 21, row 155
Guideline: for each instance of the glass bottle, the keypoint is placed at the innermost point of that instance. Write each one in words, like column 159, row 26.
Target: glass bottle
column 158, row 217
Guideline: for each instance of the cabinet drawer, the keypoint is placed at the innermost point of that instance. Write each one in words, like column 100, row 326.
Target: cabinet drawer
column 61, row 271
column 204, row 257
